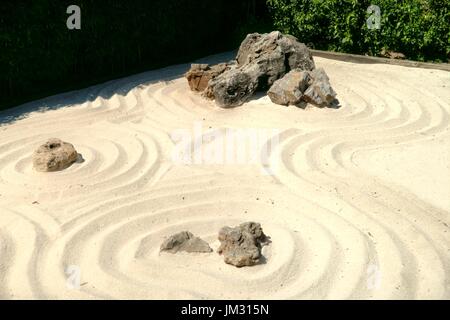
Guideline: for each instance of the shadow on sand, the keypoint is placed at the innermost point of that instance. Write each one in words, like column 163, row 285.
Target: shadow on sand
column 106, row 90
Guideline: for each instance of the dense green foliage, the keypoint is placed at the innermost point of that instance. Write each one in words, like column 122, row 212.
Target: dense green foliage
column 39, row 56
column 420, row 29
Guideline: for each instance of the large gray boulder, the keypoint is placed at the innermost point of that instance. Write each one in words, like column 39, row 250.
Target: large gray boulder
column 185, row 241
column 275, row 53
column 54, row 155
column 241, row 245
column 262, row 59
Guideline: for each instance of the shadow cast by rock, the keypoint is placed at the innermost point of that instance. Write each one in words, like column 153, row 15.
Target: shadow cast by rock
column 335, row 104
column 257, row 95
column 80, row 158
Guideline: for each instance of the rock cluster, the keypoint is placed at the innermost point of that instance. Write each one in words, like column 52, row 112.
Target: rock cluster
column 303, row 86
column 54, row 155
column 262, row 60
column 241, row 245
column 185, row 241
column 289, row 89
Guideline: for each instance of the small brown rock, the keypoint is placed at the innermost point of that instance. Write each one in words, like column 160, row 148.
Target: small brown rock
column 54, row 155
column 241, row 246
column 320, row 93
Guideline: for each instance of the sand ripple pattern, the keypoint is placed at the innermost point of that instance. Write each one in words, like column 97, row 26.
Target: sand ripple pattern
column 338, row 228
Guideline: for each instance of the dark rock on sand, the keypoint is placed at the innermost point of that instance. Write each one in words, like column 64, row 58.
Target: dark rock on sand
column 184, row 241
column 320, row 93
column 232, row 88
column 275, row 53
column 299, row 87
column 261, row 60
column 289, row 89
column 200, row 74
column 241, row 245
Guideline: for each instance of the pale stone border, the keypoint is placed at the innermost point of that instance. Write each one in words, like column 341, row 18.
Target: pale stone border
column 369, row 59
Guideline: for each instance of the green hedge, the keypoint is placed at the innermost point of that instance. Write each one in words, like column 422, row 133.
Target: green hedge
column 420, row 29
column 39, row 56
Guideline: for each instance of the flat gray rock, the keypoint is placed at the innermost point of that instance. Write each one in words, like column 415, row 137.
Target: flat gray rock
column 185, row 241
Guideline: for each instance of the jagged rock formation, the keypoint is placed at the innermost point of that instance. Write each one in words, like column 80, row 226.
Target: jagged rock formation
column 261, row 60
column 298, row 87
column 289, row 89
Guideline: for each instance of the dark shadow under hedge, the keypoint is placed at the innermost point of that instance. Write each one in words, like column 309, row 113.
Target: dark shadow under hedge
column 39, row 56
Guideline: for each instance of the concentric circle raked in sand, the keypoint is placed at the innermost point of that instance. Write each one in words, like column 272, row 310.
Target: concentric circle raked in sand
column 352, row 198
column 113, row 159
column 116, row 248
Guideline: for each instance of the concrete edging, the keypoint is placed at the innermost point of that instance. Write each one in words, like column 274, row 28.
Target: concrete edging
column 347, row 57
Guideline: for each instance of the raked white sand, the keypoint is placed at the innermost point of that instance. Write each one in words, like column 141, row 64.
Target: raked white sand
column 356, row 200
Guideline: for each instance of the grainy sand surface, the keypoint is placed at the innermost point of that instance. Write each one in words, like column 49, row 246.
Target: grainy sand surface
column 356, row 199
